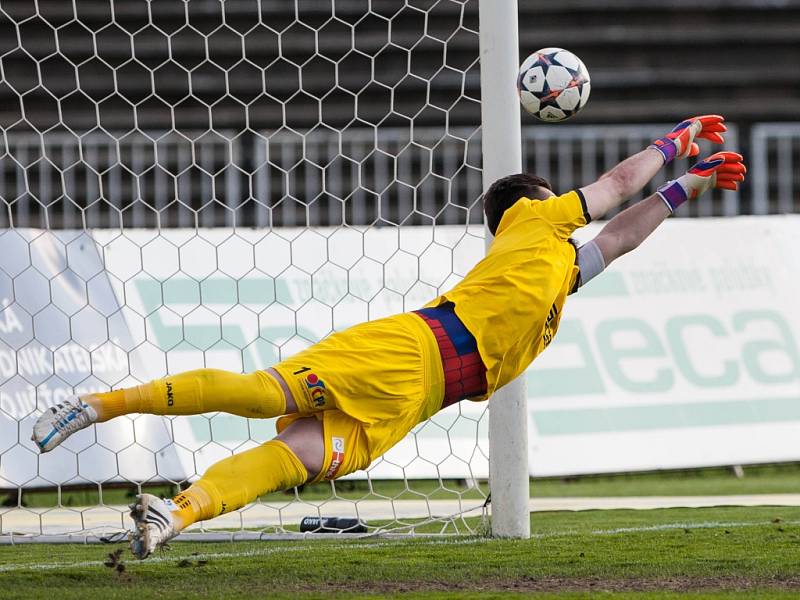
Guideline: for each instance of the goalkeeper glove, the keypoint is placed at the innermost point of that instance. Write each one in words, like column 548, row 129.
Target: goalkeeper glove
column 679, row 143
column 722, row 170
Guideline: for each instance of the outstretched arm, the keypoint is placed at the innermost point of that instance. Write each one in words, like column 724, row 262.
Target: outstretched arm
column 632, row 226
column 622, row 182
column 632, row 174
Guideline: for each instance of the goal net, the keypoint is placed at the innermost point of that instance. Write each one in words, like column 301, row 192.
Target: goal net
column 212, row 184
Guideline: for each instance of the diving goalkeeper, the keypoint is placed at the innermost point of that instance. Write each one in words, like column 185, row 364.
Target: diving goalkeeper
column 345, row 401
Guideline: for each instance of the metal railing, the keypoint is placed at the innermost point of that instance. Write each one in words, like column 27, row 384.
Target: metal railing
column 325, row 177
column 775, row 172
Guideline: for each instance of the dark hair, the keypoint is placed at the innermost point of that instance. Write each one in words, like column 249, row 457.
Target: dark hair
column 504, row 192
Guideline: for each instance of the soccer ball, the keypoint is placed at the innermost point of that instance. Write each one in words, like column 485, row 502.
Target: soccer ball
column 553, row 84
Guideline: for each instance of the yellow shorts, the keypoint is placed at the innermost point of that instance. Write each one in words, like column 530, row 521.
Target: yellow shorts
column 369, row 385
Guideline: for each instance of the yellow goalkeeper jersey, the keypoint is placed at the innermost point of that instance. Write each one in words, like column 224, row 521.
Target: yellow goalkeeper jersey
column 512, row 300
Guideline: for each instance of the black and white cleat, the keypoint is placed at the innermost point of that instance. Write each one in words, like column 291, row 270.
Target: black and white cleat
column 153, row 525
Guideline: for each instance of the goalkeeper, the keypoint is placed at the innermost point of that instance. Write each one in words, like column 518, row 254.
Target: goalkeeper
column 345, row 401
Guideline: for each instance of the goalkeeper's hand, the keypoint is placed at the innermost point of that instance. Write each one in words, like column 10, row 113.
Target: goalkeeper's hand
column 724, row 170
column 680, row 142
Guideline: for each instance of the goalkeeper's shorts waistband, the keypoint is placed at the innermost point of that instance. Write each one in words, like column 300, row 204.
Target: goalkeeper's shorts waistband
column 464, row 371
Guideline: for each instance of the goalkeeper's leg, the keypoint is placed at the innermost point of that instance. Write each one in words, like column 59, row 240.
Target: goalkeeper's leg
column 293, row 458
column 327, row 446
column 255, row 395
column 260, row 394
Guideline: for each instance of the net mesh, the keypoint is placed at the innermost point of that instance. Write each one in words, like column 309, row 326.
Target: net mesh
column 213, row 184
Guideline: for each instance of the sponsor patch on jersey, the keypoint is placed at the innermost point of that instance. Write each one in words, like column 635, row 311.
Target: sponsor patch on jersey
column 550, row 326
column 337, row 457
column 316, row 389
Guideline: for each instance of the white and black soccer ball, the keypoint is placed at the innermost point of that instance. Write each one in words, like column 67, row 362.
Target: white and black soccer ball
column 553, row 84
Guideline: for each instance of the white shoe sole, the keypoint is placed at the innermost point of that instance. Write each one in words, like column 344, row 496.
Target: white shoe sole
column 45, row 434
column 141, row 536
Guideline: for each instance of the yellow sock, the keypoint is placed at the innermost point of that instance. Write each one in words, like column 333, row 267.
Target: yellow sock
column 256, row 395
column 235, row 481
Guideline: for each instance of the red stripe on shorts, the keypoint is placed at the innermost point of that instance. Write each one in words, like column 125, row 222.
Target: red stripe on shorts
column 464, row 374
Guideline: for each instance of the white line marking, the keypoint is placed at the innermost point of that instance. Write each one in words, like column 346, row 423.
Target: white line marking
column 240, row 554
column 705, row 525
column 663, row 527
column 297, row 547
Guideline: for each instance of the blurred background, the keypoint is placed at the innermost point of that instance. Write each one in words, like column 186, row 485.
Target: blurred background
column 323, row 113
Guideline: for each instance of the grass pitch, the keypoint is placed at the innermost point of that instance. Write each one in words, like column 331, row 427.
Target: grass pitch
column 709, row 553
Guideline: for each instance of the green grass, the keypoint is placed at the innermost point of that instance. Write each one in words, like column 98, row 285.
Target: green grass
column 717, row 481
column 768, row 479
column 712, row 553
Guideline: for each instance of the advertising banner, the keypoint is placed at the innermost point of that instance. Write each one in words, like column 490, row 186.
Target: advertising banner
column 62, row 333
column 245, row 300
column 683, row 353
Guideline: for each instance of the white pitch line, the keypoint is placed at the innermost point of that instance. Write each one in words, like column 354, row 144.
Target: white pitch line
column 705, row 525
column 423, row 542
column 63, row 521
column 240, row 554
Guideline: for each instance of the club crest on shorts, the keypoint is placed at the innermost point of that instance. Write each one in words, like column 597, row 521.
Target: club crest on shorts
column 316, row 389
column 337, row 457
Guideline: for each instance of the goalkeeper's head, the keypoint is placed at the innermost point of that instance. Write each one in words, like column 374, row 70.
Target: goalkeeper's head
column 504, row 192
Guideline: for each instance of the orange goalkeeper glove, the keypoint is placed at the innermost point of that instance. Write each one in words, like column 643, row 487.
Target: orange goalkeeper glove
column 679, row 143
column 724, row 170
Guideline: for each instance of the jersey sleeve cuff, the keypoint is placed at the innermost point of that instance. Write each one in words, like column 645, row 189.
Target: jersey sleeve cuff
column 584, row 206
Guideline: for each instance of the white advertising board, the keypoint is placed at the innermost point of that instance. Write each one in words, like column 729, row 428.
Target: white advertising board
column 244, row 301
column 684, row 353
column 62, row 332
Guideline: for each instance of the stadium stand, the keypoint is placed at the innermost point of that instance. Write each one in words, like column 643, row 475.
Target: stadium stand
column 104, row 87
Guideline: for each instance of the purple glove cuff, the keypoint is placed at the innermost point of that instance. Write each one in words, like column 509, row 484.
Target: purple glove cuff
column 673, row 194
column 667, row 148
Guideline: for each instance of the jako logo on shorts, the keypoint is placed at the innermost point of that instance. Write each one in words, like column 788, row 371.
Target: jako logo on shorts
column 337, row 457
column 316, row 388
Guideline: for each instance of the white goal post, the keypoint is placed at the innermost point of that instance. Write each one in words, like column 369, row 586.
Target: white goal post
column 502, row 155
column 221, row 184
